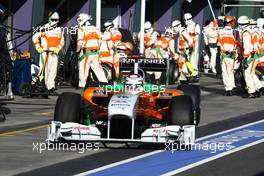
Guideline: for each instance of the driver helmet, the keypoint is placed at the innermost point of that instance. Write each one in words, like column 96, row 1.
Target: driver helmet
column 134, row 84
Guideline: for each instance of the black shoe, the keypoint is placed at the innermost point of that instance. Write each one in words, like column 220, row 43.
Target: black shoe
column 234, row 91
column 210, row 71
column 261, row 91
column 258, row 94
column 229, row 93
column 218, row 76
column 250, row 95
column 52, row 92
column 194, row 79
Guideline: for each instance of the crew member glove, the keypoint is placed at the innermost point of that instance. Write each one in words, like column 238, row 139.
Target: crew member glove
column 40, row 50
column 57, row 50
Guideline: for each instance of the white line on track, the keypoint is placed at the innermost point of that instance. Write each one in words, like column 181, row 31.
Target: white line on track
column 189, row 166
column 119, row 163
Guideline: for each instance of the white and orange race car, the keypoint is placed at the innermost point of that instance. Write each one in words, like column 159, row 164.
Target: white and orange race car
column 131, row 110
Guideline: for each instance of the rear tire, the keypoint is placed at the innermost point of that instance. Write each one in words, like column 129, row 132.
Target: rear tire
column 195, row 93
column 181, row 111
column 173, row 74
column 109, row 71
column 68, row 108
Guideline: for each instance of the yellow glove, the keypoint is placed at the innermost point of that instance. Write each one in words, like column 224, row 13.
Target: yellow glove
column 57, row 50
column 40, row 50
column 190, row 68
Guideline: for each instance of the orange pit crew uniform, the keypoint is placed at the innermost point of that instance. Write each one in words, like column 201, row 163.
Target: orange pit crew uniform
column 88, row 41
column 227, row 43
column 250, row 39
column 110, row 40
column 50, row 41
column 194, row 31
column 163, row 48
column 150, row 38
column 261, row 54
column 185, row 42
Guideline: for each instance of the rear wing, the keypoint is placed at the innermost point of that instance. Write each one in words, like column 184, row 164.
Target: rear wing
column 167, row 65
column 146, row 64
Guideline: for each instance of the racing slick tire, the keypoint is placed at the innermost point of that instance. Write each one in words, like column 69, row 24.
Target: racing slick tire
column 109, row 71
column 173, row 73
column 181, row 111
column 195, row 93
column 67, row 108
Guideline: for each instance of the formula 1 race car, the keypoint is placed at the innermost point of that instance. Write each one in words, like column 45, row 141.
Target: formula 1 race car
column 131, row 110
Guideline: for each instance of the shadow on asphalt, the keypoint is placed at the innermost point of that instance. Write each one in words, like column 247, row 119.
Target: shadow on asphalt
column 6, row 110
column 212, row 90
column 216, row 92
column 259, row 174
column 35, row 104
column 123, row 146
column 211, row 75
column 3, row 112
column 138, row 146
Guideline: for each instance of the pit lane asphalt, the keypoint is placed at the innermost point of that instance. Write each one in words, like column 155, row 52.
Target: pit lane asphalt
column 218, row 113
column 243, row 163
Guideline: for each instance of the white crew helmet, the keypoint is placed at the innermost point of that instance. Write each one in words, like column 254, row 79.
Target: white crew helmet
column 252, row 22
column 108, row 24
column 260, row 23
column 54, row 19
column 176, row 25
column 243, row 20
column 187, row 16
column 147, row 25
column 83, row 19
column 221, row 18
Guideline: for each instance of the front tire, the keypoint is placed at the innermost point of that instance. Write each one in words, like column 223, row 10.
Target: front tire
column 195, row 93
column 68, row 108
column 181, row 111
